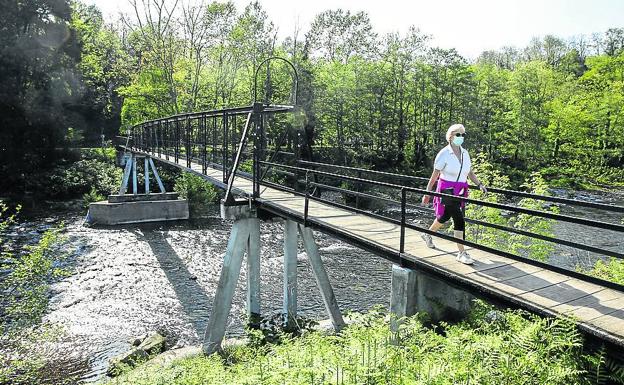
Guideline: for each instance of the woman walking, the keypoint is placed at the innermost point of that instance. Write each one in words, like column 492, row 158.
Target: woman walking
column 451, row 170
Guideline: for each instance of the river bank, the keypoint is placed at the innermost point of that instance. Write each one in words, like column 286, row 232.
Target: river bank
column 134, row 279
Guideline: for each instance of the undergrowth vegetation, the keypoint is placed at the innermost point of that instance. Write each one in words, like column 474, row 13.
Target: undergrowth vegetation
column 489, row 347
column 81, row 172
column 199, row 192
column 504, row 240
column 611, row 270
column 25, row 279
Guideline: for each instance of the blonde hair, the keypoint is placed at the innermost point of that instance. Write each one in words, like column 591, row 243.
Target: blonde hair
column 454, row 127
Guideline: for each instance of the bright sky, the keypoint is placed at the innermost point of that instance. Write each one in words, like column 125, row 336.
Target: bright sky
column 470, row 26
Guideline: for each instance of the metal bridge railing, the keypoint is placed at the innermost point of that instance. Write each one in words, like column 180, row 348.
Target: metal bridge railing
column 215, row 139
column 218, row 139
column 403, row 202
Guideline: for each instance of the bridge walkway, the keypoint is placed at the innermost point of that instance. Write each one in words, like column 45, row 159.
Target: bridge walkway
column 598, row 310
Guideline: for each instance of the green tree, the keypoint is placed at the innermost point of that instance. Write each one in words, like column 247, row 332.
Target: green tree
column 104, row 68
column 38, row 84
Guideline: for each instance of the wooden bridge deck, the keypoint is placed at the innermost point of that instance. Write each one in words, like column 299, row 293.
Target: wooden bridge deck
column 597, row 310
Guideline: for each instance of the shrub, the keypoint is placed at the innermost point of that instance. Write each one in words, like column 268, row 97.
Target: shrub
column 611, row 270
column 95, row 170
column 25, row 294
column 490, row 347
column 199, row 192
column 502, row 240
column 91, row 197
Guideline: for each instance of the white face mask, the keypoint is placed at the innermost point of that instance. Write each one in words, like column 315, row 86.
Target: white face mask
column 458, row 140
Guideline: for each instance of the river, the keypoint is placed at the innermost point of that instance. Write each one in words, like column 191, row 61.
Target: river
column 133, row 279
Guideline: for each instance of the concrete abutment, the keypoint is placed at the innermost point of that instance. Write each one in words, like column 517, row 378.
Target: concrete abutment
column 415, row 291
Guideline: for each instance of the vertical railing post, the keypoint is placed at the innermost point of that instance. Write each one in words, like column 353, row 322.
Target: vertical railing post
column 233, row 139
column 257, row 155
column 151, row 138
column 224, row 144
column 167, row 139
column 161, row 144
column 155, row 140
column 403, row 204
column 204, row 135
column 214, row 140
column 176, row 150
column 306, row 206
column 358, row 189
column 297, row 153
column 189, row 142
column 146, row 141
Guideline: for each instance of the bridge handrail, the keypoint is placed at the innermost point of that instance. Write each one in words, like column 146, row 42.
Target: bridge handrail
column 564, row 242
column 210, row 113
column 571, row 202
column 181, row 137
column 544, row 214
column 403, row 225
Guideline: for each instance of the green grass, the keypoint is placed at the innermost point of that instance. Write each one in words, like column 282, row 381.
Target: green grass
column 490, row 347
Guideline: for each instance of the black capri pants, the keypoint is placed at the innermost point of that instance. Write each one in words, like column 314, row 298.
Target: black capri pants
column 455, row 212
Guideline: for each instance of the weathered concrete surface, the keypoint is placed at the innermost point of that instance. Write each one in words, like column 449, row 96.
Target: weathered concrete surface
column 415, row 291
column 240, row 209
column 403, row 295
column 105, row 213
column 116, row 198
column 441, row 300
column 130, row 358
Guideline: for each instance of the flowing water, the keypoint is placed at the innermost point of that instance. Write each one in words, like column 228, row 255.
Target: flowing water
column 133, row 279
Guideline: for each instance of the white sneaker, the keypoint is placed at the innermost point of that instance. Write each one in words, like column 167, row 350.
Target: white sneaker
column 428, row 240
column 464, row 258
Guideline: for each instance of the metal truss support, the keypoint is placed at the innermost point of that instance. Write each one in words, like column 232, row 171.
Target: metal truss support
column 130, row 168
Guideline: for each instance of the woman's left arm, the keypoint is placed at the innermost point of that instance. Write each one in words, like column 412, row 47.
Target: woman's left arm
column 476, row 181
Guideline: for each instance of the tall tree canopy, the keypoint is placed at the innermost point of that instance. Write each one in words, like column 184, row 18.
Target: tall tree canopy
column 554, row 106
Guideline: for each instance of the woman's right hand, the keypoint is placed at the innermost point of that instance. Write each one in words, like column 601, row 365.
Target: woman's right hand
column 425, row 200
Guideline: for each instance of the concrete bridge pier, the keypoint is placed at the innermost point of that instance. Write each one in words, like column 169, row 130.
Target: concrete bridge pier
column 291, row 228
column 321, row 277
column 414, row 291
column 245, row 236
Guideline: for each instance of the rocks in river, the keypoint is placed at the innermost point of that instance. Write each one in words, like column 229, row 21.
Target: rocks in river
column 143, row 347
column 136, row 341
column 507, row 213
column 128, row 359
column 153, row 344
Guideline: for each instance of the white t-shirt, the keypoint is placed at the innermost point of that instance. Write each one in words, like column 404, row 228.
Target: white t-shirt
column 449, row 165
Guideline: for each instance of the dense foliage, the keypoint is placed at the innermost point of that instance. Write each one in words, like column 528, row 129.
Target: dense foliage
column 554, row 106
column 58, row 67
column 67, row 77
column 25, row 278
column 491, row 347
column 198, row 191
column 508, row 241
column 77, row 172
